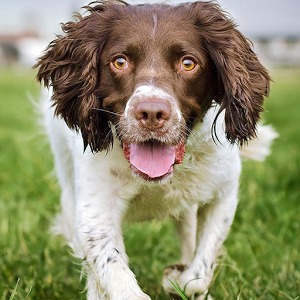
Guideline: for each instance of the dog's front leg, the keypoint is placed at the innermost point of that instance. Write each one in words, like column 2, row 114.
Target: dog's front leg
column 99, row 212
column 214, row 221
column 100, row 239
column 186, row 227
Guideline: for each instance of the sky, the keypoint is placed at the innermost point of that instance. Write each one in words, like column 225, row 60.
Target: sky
column 254, row 17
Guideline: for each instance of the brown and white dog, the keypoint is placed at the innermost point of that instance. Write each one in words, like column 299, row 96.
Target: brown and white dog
column 149, row 105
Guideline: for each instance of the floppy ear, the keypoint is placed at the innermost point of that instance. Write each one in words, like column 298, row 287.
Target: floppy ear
column 71, row 65
column 242, row 82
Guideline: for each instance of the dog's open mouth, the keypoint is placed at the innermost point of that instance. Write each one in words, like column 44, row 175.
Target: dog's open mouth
column 153, row 160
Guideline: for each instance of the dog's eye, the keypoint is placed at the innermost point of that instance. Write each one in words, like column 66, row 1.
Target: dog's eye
column 120, row 63
column 187, row 64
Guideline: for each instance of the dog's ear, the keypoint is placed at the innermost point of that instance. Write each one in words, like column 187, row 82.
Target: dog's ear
column 71, row 65
column 242, row 82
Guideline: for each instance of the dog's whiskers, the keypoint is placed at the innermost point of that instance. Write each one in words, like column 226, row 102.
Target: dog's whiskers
column 107, row 111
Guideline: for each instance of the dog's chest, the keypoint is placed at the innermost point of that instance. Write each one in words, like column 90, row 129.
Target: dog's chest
column 189, row 185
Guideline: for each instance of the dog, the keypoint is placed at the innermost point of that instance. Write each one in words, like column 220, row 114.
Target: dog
column 151, row 108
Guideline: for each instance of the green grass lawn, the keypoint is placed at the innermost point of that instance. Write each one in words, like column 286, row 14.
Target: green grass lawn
column 261, row 257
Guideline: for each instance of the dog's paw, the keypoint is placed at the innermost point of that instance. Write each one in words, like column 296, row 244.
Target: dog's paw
column 135, row 296
column 141, row 297
column 193, row 283
column 128, row 295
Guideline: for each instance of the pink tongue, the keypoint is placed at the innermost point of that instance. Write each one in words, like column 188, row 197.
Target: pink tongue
column 154, row 160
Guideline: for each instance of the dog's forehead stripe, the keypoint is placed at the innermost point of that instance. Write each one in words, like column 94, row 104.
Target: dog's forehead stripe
column 154, row 25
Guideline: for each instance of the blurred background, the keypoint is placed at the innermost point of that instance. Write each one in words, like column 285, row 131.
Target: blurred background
column 26, row 26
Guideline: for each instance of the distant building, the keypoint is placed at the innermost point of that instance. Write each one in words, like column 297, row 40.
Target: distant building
column 22, row 48
column 278, row 51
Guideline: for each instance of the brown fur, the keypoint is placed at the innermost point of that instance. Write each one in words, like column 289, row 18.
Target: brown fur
column 77, row 65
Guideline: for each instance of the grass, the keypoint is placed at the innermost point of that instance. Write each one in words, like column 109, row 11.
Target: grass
column 261, row 255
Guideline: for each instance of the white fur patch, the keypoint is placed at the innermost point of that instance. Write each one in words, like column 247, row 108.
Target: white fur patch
column 152, row 91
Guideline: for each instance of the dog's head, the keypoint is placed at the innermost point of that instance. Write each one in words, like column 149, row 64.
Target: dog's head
column 152, row 71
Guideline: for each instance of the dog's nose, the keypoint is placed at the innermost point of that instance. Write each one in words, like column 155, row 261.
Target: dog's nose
column 152, row 114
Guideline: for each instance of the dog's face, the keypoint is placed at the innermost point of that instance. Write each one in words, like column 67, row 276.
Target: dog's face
column 153, row 71
column 158, row 83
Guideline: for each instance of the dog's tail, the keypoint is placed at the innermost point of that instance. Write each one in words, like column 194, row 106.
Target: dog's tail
column 260, row 147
